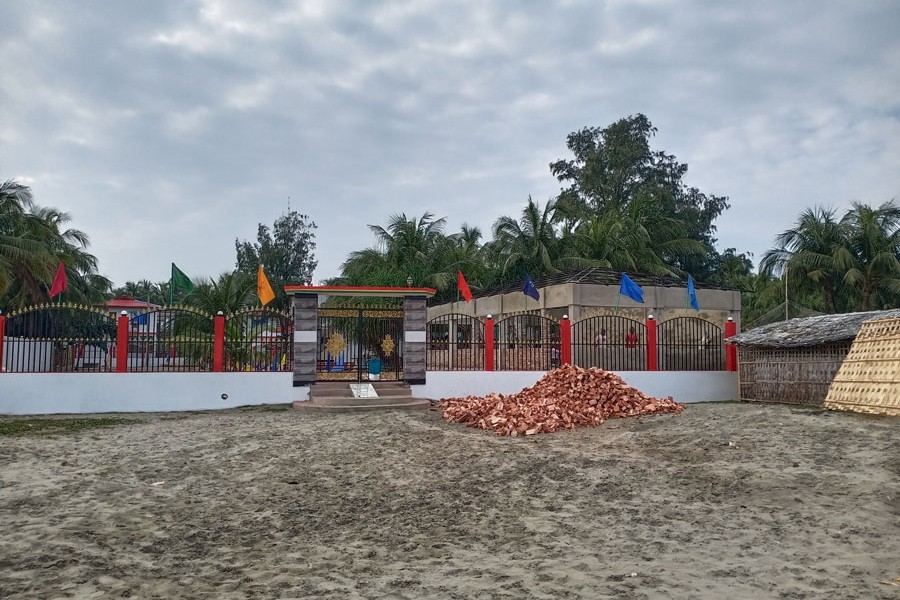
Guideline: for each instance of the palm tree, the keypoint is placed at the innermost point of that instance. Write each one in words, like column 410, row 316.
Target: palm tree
column 528, row 245
column 813, row 252
column 229, row 293
column 33, row 241
column 17, row 253
column 407, row 247
column 869, row 259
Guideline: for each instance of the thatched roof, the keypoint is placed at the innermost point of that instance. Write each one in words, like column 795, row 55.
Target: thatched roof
column 811, row 331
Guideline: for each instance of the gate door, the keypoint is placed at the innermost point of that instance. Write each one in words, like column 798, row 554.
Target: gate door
column 359, row 344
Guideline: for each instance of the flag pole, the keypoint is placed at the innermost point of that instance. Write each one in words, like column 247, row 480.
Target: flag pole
column 619, row 295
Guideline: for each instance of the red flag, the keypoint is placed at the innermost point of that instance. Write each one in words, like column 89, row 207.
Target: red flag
column 60, row 283
column 463, row 287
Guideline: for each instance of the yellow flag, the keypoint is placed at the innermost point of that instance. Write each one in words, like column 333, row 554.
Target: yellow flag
column 263, row 289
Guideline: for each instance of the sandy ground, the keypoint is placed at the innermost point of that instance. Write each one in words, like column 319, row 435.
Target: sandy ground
column 722, row 501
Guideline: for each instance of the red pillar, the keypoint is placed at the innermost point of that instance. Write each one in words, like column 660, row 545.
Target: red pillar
column 218, row 342
column 489, row 344
column 122, row 343
column 2, row 334
column 565, row 341
column 651, row 344
column 730, row 348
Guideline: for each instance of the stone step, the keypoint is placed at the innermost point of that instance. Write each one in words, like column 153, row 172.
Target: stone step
column 363, row 404
column 352, row 401
column 343, row 390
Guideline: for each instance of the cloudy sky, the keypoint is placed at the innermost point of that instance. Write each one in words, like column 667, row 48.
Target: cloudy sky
column 168, row 129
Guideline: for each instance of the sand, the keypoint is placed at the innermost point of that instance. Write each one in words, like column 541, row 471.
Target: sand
column 723, row 501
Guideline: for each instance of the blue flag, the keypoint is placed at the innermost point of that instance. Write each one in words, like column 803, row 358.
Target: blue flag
column 529, row 289
column 692, row 294
column 631, row 289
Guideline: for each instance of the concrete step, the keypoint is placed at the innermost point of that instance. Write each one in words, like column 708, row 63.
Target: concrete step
column 342, row 390
column 351, row 401
column 363, row 404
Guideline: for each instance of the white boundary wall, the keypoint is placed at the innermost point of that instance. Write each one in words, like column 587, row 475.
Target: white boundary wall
column 683, row 386
column 72, row 393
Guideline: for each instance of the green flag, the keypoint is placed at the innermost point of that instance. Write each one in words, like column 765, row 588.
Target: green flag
column 179, row 281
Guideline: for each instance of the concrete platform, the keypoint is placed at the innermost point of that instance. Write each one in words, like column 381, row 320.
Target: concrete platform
column 338, row 397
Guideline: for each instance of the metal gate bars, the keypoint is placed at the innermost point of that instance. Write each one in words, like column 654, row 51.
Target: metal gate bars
column 359, row 344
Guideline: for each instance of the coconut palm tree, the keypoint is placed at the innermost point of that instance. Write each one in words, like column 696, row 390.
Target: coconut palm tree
column 869, row 259
column 812, row 253
column 33, row 241
column 527, row 245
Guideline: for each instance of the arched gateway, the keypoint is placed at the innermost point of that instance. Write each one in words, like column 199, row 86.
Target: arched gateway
column 358, row 343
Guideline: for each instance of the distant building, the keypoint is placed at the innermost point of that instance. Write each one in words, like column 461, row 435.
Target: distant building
column 595, row 293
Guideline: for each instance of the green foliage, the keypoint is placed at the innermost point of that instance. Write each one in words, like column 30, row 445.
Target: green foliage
column 616, row 176
column 18, row 427
column 33, row 241
column 413, row 248
column 286, row 252
column 145, row 291
column 850, row 264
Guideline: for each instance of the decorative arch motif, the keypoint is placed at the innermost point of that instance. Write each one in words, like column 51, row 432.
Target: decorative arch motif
column 690, row 344
column 526, row 342
column 52, row 338
column 610, row 342
column 454, row 342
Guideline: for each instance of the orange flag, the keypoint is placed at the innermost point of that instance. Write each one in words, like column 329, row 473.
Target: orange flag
column 463, row 287
column 263, row 289
column 60, row 282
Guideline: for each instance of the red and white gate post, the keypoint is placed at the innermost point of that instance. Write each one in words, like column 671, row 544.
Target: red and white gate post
column 218, row 342
column 565, row 341
column 730, row 348
column 122, row 343
column 2, row 335
column 651, row 344
column 489, row 343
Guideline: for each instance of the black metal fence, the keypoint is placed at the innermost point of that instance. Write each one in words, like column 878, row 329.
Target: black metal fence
column 455, row 342
column 526, row 342
column 173, row 338
column 54, row 338
column 690, row 344
column 259, row 339
column 611, row 343
column 360, row 344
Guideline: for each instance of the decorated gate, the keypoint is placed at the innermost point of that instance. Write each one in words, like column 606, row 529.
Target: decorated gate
column 359, row 344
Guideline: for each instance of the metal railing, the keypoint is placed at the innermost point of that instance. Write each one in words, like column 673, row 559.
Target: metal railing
column 611, row 343
column 690, row 344
column 259, row 339
column 526, row 342
column 58, row 338
column 455, row 342
column 172, row 338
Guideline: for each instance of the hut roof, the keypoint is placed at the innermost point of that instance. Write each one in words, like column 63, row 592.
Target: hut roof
column 811, row 331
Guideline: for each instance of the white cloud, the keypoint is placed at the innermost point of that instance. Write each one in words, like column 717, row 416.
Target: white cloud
column 185, row 124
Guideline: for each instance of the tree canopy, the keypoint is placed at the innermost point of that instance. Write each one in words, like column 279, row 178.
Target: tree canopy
column 286, row 252
column 33, row 241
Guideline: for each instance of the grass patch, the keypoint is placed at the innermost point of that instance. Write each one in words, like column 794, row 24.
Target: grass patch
column 266, row 408
column 50, row 426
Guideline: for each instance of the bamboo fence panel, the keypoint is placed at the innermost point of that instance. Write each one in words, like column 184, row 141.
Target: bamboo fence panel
column 869, row 379
column 788, row 375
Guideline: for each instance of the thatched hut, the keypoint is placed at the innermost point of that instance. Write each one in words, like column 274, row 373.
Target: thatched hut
column 795, row 361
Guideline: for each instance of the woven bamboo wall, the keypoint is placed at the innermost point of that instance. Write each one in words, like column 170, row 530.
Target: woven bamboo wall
column 869, row 379
column 789, row 375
